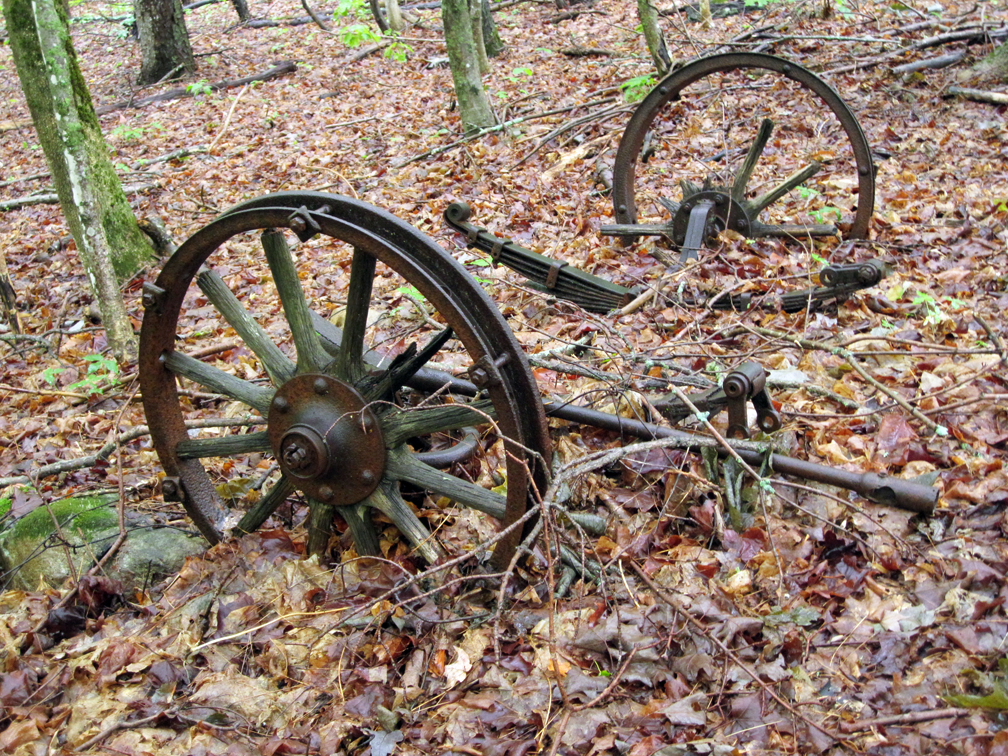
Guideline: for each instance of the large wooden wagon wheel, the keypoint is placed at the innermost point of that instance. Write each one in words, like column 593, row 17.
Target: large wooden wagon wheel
column 339, row 421
column 720, row 143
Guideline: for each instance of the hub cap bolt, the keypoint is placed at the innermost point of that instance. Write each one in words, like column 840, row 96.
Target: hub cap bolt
column 295, row 456
column 326, row 493
column 321, row 387
column 367, row 476
column 280, row 404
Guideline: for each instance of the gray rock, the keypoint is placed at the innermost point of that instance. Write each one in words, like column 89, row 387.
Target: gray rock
column 32, row 556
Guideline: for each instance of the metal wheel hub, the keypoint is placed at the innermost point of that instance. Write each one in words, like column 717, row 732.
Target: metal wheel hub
column 326, row 439
column 709, row 212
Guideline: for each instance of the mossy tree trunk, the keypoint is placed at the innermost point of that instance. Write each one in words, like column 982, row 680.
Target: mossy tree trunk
column 653, row 36
column 109, row 242
column 491, row 37
column 474, row 105
column 476, row 19
column 164, row 40
column 242, row 9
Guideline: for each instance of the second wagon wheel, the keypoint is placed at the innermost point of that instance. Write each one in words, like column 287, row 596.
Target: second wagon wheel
column 308, row 316
column 744, row 141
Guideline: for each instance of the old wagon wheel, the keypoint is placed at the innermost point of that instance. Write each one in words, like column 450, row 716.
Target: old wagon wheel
column 744, row 141
column 333, row 405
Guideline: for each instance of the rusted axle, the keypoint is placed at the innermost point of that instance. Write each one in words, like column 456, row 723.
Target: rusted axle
column 884, row 489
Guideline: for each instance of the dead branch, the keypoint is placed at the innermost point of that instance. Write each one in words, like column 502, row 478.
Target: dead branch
column 369, row 50
column 66, row 465
column 279, row 69
column 53, row 199
column 265, row 23
column 978, row 95
column 682, row 608
column 499, row 127
column 851, row 359
column 314, row 15
column 583, row 52
column 910, row 717
column 939, row 62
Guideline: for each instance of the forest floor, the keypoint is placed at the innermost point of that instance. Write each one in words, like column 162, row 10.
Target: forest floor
column 865, row 625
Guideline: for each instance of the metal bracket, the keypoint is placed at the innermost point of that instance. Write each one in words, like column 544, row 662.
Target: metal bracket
column 302, row 223
column 153, row 297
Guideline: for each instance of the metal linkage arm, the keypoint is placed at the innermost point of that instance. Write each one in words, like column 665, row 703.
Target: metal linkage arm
column 745, row 384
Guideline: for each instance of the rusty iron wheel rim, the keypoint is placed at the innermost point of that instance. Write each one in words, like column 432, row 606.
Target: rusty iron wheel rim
column 670, row 89
column 373, row 235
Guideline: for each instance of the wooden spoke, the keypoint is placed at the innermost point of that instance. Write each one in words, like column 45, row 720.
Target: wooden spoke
column 402, row 465
column 279, row 367
column 225, row 446
column 749, row 164
column 349, row 364
column 387, row 499
column 797, row 178
column 792, row 230
column 320, row 519
column 365, row 537
column 402, row 368
column 402, row 425
column 266, row 506
column 219, row 381
column 310, row 355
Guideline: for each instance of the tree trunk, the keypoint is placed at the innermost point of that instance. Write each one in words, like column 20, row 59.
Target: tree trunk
column 474, row 105
column 491, row 37
column 394, row 16
column 241, row 8
column 653, row 36
column 109, row 242
column 164, row 39
column 476, row 18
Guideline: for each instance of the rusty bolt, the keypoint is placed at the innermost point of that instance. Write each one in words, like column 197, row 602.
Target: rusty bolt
column 366, row 422
column 147, row 299
column 171, row 490
column 280, row 404
column 741, row 224
column 719, row 199
column 320, row 386
column 297, row 224
column 326, row 493
column 295, row 456
column 367, row 476
column 480, row 377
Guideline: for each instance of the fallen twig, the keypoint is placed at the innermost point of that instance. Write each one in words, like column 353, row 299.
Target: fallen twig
column 910, row 717
column 227, row 120
column 53, row 199
column 279, row 69
column 978, row 95
column 66, row 465
column 499, row 127
column 939, row 62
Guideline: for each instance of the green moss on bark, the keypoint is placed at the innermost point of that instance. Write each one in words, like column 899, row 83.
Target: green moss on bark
column 129, row 248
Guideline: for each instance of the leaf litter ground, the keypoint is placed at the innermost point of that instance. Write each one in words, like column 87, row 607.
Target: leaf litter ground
column 865, row 621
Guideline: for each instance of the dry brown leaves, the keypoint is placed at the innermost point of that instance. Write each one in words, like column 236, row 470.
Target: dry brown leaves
column 867, row 621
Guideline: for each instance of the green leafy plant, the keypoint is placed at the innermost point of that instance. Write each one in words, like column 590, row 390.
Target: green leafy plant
column 355, row 8
column 519, row 72
column 636, row 89
column 398, row 51
column 996, row 699
column 826, row 214
column 101, row 374
column 933, row 314
column 197, row 88
column 356, row 35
